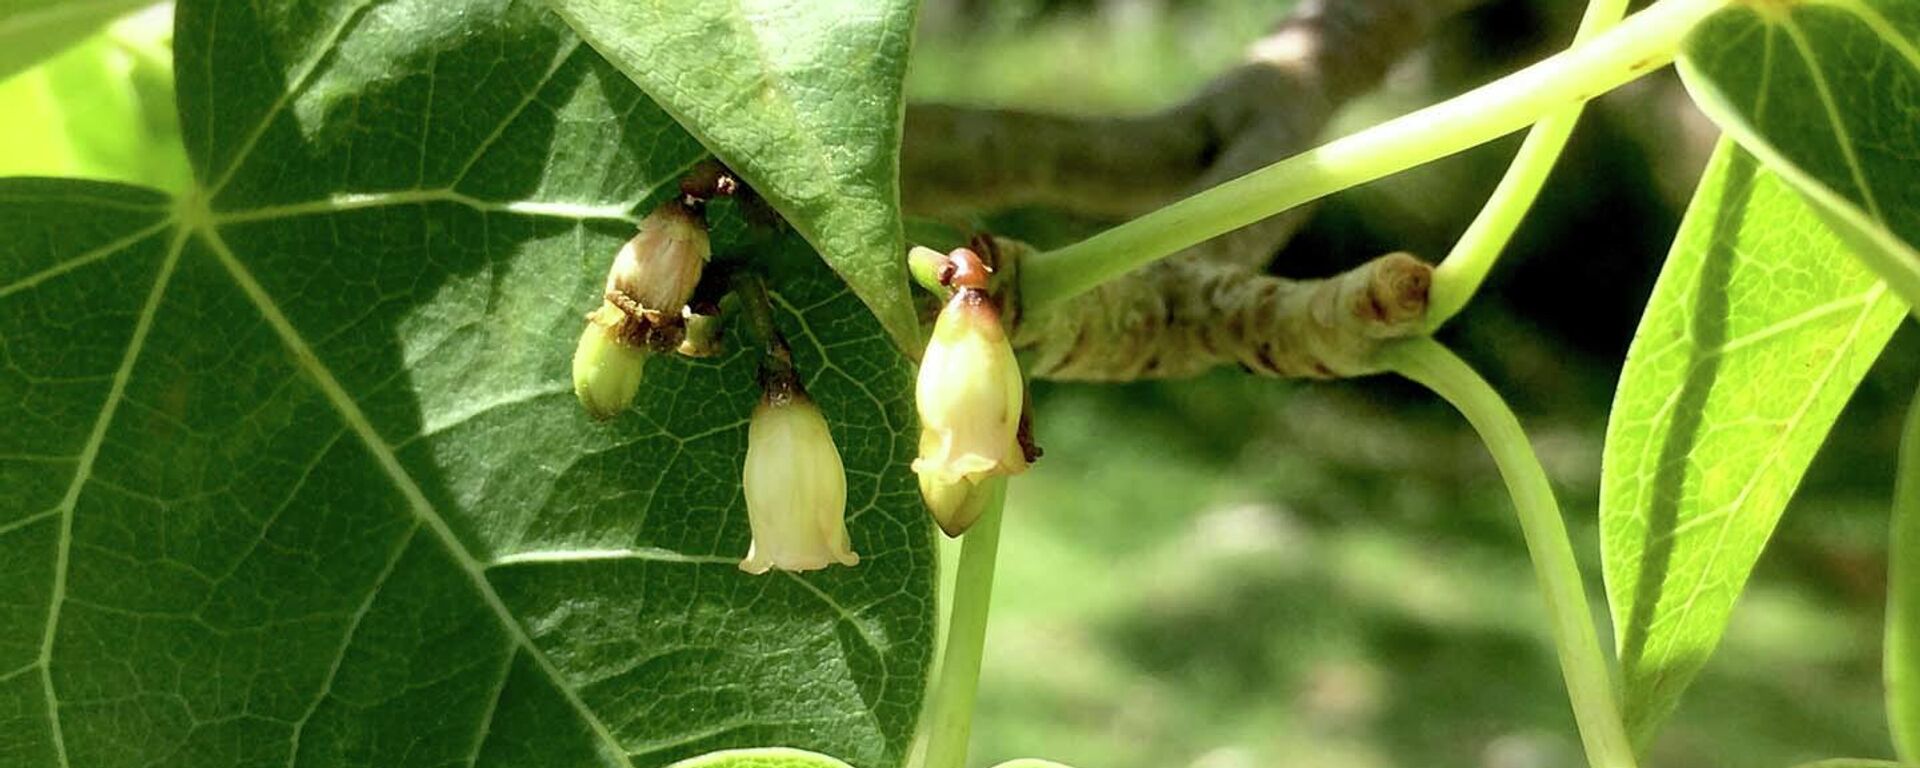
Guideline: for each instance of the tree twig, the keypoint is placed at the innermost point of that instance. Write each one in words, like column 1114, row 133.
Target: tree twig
column 1159, row 321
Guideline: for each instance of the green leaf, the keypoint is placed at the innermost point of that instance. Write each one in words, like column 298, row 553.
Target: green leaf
column 1902, row 661
column 769, row 757
column 1851, row 762
column 802, row 98
column 1758, row 331
column 31, row 30
column 1824, row 92
column 102, row 109
column 294, row 474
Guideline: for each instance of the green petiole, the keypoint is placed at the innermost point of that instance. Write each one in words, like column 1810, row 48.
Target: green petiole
column 1644, row 42
column 950, row 723
column 1582, row 662
column 1473, row 255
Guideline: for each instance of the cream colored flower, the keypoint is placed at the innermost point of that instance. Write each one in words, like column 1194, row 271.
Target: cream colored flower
column 658, row 269
column 796, row 489
column 969, row 395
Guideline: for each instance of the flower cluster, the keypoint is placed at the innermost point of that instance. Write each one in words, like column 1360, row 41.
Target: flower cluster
column 969, row 393
column 647, row 291
column 795, row 484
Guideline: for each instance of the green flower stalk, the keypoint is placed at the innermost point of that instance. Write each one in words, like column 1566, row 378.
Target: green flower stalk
column 969, row 395
column 796, row 487
column 704, row 332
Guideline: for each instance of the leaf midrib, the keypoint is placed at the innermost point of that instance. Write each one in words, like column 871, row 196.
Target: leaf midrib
column 1879, row 293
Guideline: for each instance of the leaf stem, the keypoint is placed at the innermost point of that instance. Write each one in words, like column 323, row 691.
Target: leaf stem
column 1582, row 662
column 1473, row 255
column 751, row 288
column 1903, row 597
column 951, row 723
column 1641, row 44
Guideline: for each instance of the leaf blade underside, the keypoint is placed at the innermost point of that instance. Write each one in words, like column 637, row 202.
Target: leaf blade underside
column 803, row 98
column 301, row 476
column 1759, row 329
column 1824, row 92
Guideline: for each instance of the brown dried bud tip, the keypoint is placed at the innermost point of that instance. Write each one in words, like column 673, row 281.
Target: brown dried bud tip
column 963, row 269
column 707, row 181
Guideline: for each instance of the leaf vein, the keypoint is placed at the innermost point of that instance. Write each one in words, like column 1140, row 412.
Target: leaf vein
column 1773, row 453
column 82, row 260
column 1840, row 134
column 349, row 411
column 533, row 94
column 493, row 709
column 88, row 453
column 571, row 556
column 288, row 94
column 346, row 640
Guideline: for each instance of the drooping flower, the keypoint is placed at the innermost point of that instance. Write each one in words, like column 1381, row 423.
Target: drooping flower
column 796, row 488
column 969, row 395
column 608, row 363
column 657, row 270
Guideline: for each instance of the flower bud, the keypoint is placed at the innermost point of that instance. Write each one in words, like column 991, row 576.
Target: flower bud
column 924, row 265
column 796, row 488
column 657, row 270
column 607, row 364
column 969, row 396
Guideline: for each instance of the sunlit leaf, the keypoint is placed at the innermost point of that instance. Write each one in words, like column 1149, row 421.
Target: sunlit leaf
column 1758, row 331
column 32, row 30
column 102, row 109
column 293, row 472
column 802, row 98
column 772, row 757
column 1851, row 762
column 1827, row 93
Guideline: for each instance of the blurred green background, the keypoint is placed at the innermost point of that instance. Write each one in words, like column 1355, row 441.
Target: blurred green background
column 1230, row 572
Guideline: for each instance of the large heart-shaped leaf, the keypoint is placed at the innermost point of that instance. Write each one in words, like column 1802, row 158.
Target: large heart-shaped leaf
column 1827, row 93
column 293, row 474
column 800, row 97
column 1759, row 329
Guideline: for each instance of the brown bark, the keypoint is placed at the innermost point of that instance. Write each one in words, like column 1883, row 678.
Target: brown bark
column 1213, row 303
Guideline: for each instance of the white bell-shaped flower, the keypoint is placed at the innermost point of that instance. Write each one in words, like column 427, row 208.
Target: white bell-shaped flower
column 796, row 489
column 969, row 395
